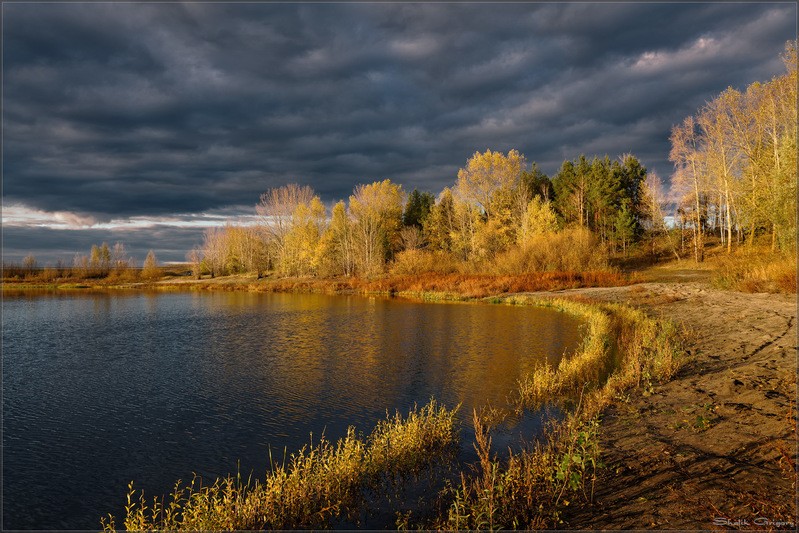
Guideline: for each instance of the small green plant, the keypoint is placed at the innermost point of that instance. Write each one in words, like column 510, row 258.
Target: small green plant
column 647, row 386
column 701, row 423
column 581, row 459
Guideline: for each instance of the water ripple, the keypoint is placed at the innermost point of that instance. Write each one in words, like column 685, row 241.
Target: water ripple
column 101, row 389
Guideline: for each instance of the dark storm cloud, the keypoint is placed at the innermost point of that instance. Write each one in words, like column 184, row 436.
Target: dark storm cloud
column 118, row 110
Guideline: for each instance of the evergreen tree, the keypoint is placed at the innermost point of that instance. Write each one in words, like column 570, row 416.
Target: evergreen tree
column 537, row 184
column 418, row 208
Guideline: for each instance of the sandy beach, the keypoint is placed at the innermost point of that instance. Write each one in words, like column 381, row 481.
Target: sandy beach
column 715, row 448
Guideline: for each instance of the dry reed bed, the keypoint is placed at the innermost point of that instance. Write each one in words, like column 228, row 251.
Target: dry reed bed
column 436, row 286
column 317, row 485
column 622, row 348
column 756, row 272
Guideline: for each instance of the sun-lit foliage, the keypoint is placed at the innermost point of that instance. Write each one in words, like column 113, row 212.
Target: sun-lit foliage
column 735, row 165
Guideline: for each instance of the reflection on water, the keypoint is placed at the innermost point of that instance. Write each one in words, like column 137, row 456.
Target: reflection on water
column 103, row 388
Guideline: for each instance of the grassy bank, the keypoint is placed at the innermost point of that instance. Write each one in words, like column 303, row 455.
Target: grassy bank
column 749, row 271
column 622, row 348
column 449, row 285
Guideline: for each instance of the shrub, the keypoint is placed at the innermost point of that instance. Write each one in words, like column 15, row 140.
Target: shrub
column 48, row 274
column 573, row 249
column 415, row 262
column 150, row 270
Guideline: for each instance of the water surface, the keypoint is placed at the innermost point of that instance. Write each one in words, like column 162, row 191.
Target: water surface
column 104, row 388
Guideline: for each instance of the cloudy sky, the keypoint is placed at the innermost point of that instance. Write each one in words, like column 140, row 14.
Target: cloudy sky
column 144, row 123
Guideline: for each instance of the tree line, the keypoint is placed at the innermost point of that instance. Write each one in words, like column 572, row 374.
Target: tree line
column 499, row 208
column 102, row 261
column 735, row 164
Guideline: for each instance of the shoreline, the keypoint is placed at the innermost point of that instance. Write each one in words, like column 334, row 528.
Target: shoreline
column 714, row 446
column 717, row 444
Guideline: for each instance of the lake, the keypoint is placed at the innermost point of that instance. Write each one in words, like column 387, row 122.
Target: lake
column 101, row 388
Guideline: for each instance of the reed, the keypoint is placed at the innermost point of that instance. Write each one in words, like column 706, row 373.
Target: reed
column 318, row 484
column 529, row 489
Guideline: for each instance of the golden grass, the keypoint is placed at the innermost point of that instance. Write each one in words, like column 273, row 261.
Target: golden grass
column 530, row 489
column 483, row 285
column 318, row 484
column 755, row 270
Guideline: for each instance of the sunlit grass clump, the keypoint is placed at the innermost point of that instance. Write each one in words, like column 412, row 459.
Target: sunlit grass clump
column 756, row 271
column 318, row 484
column 529, row 489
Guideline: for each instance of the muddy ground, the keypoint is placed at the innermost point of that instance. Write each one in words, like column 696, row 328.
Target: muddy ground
column 716, row 447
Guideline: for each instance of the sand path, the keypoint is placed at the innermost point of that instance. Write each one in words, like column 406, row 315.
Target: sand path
column 715, row 448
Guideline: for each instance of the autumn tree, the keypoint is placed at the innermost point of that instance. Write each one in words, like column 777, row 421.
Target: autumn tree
column 737, row 159
column 495, row 196
column 655, row 201
column 195, row 259
column 689, row 179
column 336, row 251
column 80, row 266
column 467, row 222
column 120, row 260
column 150, row 269
column 721, row 156
column 30, row 265
column 539, row 219
column 276, row 210
column 780, row 102
column 377, row 213
column 100, row 260
column 487, row 173
column 213, row 251
column 301, row 241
